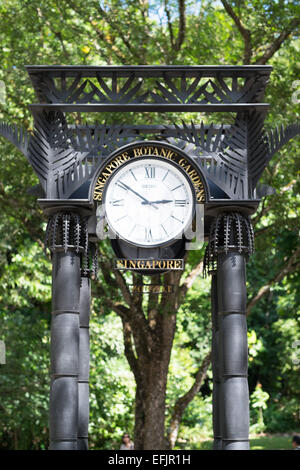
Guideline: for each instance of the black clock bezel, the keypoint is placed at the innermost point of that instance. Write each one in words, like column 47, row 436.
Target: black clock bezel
column 167, row 161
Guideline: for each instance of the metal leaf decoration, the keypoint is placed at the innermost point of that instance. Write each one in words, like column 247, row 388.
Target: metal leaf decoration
column 262, row 145
column 56, row 166
column 219, row 151
column 134, row 87
column 233, row 157
column 281, row 136
column 16, row 135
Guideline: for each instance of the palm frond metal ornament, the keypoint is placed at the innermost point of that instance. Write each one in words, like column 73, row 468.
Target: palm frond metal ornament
column 67, row 158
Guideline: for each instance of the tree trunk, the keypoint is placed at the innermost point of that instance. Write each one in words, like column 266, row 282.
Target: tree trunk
column 150, row 399
column 139, row 417
column 154, row 430
column 148, row 333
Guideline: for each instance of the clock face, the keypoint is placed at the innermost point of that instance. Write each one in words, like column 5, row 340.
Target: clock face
column 149, row 201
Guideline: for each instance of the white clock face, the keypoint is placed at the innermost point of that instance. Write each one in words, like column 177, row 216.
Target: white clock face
column 149, row 202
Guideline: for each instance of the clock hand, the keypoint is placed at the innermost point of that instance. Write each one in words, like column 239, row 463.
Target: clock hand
column 139, row 195
column 162, row 201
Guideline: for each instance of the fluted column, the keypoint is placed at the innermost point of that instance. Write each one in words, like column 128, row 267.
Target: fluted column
column 231, row 242
column 66, row 237
column 64, row 350
column 231, row 278
column 215, row 364
column 84, row 362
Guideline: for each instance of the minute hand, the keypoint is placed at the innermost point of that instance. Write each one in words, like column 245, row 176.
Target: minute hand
column 139, row 195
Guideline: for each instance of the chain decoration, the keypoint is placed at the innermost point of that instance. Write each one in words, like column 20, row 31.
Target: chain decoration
column 90, row 261
column 229, row 231
column 65, row 231
column 69, row 231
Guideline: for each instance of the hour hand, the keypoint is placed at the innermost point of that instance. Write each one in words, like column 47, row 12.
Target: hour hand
column 162, row 201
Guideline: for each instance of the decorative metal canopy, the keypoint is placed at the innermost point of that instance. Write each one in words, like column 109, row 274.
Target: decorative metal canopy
column 231, row 157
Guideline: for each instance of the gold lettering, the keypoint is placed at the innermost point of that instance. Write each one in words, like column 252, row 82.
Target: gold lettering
column 137, row 151
column 182, row 162
column 99, row 184
column 200, row 196
column 192, row 173
column 120, row 263
column 170, row 154
column 106, row 175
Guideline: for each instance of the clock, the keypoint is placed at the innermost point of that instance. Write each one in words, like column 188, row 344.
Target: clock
column 149, row 202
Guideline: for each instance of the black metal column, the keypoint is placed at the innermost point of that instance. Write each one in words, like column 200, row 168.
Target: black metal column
column 231, row 281
column 215, row 364
column 67, row 238
column 231, row 241
column 64, row 350
column 84, row 363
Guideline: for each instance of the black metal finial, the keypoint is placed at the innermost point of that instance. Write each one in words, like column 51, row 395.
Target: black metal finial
column 229, row 231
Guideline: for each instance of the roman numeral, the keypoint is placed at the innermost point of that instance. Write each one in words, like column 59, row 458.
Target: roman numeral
column 173, row 217
column 120, row 218
column 164, row 229
column 165, row 175
column 121, row 185
column 132, row 230
column 150, row 171
column 118, row 202
column 133, row 175
column 148, row 234
column 180, row 202
column 177, row 187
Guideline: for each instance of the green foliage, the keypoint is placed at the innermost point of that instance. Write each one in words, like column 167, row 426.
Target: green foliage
column 111, row 385
column 258, row 403
column 261, row 442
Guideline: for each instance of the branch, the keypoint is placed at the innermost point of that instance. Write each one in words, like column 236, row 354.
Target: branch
column 117, row 307
column 275, row 46
column 288, row 268
column 170, row 26
column 170, row 303
column 84, row 14
column 182, row 25
column 184, row 401
column 118, row 29
column 137, row 298
column 152, row 308
column 128, row 348
column 123, row 286
column 190, row 279
column 106, row 271
column 245, row 33
column 57, row 34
